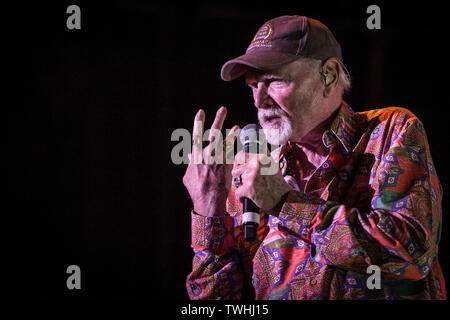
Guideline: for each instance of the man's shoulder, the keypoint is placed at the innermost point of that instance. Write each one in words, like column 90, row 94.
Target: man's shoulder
column 391, row 120
column 397, row 118
column 387, row 113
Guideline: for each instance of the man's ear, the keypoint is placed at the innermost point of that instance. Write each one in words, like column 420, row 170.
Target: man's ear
column 330, row 75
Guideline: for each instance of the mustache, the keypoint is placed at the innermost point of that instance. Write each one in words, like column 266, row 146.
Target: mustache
column 266, row 113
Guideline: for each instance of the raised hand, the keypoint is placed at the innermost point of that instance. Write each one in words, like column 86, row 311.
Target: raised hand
column 208, row 175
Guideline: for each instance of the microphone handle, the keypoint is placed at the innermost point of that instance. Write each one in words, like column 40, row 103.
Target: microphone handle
column 251, row 212
column 250, row 209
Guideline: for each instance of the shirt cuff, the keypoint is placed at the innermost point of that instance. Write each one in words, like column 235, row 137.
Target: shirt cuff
column 216, row 233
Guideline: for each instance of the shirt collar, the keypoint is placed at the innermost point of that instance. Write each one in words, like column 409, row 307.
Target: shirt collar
column 342, row 129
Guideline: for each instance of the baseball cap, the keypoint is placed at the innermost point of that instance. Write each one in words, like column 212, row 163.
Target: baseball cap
column 282, row 40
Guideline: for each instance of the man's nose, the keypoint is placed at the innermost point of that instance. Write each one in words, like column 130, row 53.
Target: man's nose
column 260, row 95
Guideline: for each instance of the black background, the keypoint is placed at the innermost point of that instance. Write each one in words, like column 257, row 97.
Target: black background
column 90, row 180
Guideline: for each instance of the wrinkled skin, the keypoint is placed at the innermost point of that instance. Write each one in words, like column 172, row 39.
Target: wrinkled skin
column 293, row 99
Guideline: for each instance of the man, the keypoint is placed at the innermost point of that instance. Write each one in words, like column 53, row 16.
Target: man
column 356, row 193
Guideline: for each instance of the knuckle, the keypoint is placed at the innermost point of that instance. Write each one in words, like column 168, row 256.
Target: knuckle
column 186, row 177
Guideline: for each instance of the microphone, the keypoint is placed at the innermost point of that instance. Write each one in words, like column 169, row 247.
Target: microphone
column 253, row 139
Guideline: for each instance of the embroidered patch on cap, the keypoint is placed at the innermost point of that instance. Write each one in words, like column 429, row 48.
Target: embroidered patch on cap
column 261, row 37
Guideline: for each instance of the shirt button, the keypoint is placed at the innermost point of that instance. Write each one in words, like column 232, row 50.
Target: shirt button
column 281, row 165
column 313, row 282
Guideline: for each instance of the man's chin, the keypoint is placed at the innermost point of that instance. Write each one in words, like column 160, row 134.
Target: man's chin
column 275, row 135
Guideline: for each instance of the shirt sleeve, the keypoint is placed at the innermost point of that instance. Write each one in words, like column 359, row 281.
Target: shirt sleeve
column 216, row 271
column 399, row 232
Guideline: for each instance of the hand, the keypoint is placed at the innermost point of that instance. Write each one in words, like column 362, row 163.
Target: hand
column 208, row 176
column 265, row 190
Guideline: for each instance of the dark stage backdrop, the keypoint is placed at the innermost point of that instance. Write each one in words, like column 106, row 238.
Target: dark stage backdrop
column 90, row 181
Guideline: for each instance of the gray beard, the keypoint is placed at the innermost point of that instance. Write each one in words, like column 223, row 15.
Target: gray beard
column 278, row 133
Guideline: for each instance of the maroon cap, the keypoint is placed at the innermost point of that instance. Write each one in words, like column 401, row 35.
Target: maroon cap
column 283, row 40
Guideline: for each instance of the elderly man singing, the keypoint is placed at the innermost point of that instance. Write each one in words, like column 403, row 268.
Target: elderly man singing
column 355, row 194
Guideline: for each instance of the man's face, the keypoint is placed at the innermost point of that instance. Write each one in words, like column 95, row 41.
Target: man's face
column 288, row 100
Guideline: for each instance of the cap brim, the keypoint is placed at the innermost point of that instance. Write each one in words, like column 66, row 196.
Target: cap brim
column 257, row 59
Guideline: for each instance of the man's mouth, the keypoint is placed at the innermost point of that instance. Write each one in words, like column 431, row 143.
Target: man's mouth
column 271, row 119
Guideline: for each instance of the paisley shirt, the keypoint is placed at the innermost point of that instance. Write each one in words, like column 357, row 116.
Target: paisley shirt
column 371, row 209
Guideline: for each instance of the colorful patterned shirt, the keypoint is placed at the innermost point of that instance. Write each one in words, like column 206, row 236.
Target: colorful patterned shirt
column 374, row 201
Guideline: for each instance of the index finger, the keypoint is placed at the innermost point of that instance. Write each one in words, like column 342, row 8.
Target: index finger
column 197, row 137
column 241, row 159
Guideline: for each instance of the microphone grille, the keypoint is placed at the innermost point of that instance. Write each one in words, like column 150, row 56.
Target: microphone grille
column 251, row 133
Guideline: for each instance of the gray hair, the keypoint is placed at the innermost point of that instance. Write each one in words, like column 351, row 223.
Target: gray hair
column 344, row 79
